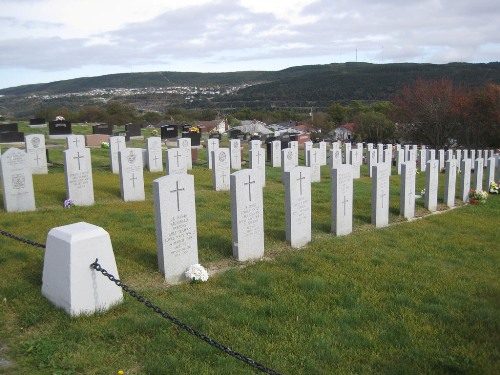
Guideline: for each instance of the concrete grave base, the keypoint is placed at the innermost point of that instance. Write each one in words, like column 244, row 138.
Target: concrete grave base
column 68, row 281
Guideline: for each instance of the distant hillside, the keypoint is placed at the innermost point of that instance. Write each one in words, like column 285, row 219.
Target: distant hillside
column 301, row 86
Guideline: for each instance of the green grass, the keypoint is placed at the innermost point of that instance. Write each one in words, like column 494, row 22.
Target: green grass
column 420, row 297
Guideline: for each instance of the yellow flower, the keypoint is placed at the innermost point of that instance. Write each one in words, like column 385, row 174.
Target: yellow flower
column 120, row 372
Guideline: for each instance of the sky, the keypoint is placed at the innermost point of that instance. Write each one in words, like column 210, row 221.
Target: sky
column 52, row 40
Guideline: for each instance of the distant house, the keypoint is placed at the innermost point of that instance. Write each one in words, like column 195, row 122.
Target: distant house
column 344, row 132
column 218, row 126
column 253, row 127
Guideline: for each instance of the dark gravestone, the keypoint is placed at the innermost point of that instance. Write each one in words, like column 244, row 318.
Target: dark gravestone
column 59, row 129
column 216, row 136
column 233, row 133
column 185, row 128
column 11, row 137
column 169, row 131
column 269, row 147
column 255, row 138
column 293, row 137
column 37, row 121
column 8, row 127
column 103, row 129
column 195, row 138
column 134, row 130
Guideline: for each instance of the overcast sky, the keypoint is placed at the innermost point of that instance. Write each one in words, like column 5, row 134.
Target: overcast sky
column 52, row 40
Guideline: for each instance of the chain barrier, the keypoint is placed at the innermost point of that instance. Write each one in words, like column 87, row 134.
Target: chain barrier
column 159, row 311
column 29, row 242
column 182, row 325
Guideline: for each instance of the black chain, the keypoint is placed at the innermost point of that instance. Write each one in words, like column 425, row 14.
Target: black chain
column 184, row 326
column 29, row 242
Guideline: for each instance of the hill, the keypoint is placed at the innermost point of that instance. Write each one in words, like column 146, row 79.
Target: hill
column 301, row 86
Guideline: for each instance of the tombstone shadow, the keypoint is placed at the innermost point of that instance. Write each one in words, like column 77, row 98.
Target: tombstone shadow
column 215, row 245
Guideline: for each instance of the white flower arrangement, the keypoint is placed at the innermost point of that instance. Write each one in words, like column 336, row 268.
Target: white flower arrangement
column 197, row 272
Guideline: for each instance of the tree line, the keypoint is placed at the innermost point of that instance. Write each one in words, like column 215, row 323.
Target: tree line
column 436, row 112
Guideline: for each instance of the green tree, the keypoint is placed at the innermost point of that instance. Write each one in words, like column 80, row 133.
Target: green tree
column 120, row 113
column 373, row 127
column 92, row 114
column 338, row 114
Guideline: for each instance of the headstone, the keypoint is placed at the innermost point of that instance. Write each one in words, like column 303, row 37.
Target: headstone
column 221, row 168
column 342, row 199
column 298, row 206
column 255, row 144
column 247, row 215
column 59, row 129
column 399, row 160
column 359, row 147
column 276, row 154
column 287, row 162
column 116, row 144
column 175, row 161
column 106, row 129
column 313, row 160
column 380, row 153
column 407, row 197
column 9, row 127
column 448, row 155
column 78, row 176
column 355, row 160
column 131, row 175
column 185, row 145
column 154, row 154
column 17, row 181
column 307, row 147
column 423, row 159
column 431, row 184
column 169, row 132
column 212, row 145
column 38, row 122
column 407, row 152
column 68, row 281
column 96, row 140
column 450, row 182
column 441, row 160
column 413, row 152
column 473, row 157
column 294, row 146
column 335, row 157
column 322, row 153
column 465, row 167
column 257, row 158
column 372, row 161
column 347, row 153
column 134, row 131
column 235, row 153
column 478, row 174
column 490, row 171
column 75, row 141
column 431, row 155
column 175, row 219
column 380, row 195
column 35, row 149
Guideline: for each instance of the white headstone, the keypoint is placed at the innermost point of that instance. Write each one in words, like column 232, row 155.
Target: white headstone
column 399, row 160
column 257, row 158
column 380, row 195
column 441, row 159
column 347, row 153
column 356, row 163
column 298, row 206
column 407, row 197
column 465, row 167
column 255, row 144
column 235, row 153
column 294, row 146
column 490, row 172
column 221, row 169
column 431, row 184
column 212, row 145
column 17, row 181
column 68, row 281
column 37, row 157
column 75, row 141
column 372, row 161
column 423, row 159
column 116, row 144
column 287, row 161
column 176, row 161
column 314, row 163
column 154, row 154
column 247, row 215
column 276, row 154
column 342, row 199
column 78, row 176
column 184, row 144
column 380, row 153
column 175, row 219
column 450, row 182
column 322, row 153
column 307, row 147
column 335, row 157
column 131, row 175
column 478, row 174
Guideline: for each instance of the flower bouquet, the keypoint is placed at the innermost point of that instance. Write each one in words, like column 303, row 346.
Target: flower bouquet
column 494, row 187
column 68, row 203
column 197, row 273
column 477, row 196
column 105, row 145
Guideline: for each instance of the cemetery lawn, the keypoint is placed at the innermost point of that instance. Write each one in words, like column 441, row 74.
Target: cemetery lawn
column 420, row 297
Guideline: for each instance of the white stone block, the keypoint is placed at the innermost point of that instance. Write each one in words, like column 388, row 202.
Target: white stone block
column 68, row 280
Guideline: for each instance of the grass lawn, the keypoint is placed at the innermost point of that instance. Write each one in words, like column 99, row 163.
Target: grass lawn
column 420, row 297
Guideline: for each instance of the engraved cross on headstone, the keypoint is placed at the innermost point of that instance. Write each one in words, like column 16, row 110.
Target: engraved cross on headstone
column 117, row 142
column 177, row 156
column 345, row 201
column 249, row 183
column 37, row 160
column 156, row 160
column 78, row 158
column 76, row 141
column 300, row 181
column 382, row 197
column 177, row 191
column 133, row 180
